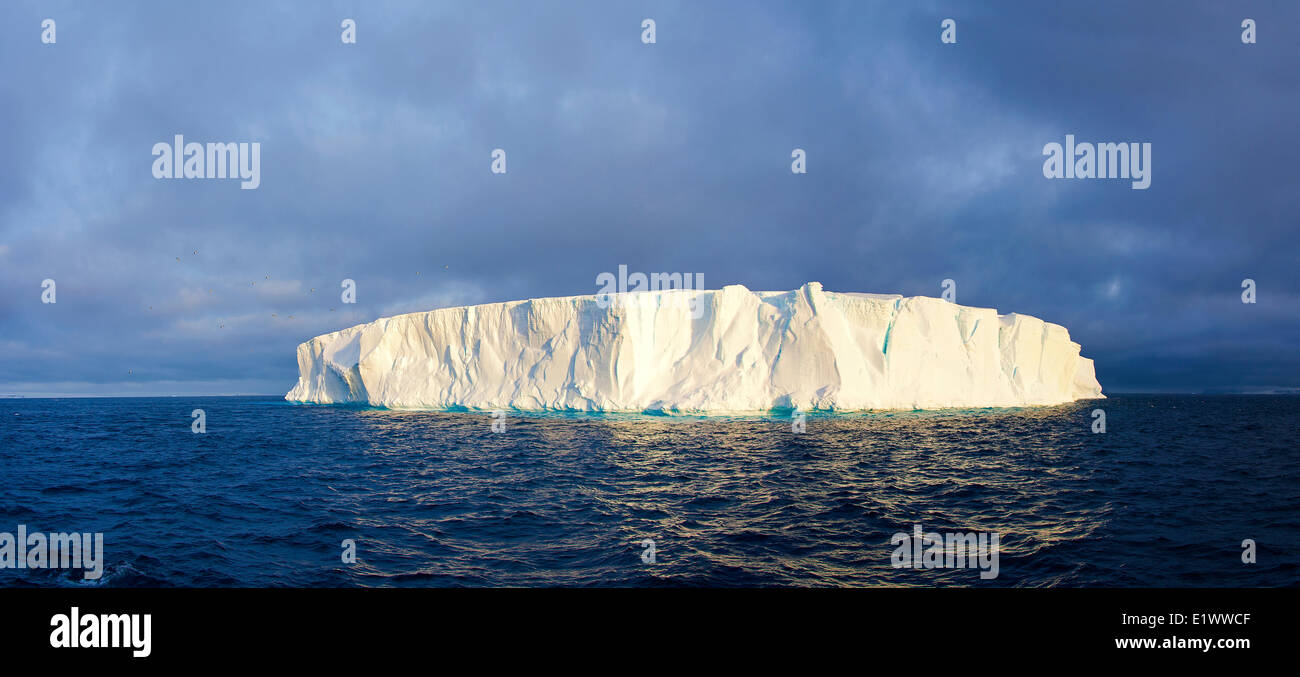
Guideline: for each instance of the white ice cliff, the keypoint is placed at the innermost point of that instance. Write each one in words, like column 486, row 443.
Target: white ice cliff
column 739, row 351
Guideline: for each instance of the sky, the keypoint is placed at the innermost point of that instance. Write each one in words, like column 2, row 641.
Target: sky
column 924, row 163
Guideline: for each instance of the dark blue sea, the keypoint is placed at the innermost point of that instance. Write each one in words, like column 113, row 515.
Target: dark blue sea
column 268, row 494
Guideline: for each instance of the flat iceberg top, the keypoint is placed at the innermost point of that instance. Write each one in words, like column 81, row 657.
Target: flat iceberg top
column 686, row 351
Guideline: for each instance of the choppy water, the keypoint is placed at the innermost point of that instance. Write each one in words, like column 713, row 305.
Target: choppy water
column 265, row 497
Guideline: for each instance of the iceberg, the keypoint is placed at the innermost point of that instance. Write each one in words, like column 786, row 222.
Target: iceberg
column 699, row 352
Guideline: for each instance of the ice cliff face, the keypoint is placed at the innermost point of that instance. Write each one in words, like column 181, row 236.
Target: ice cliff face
column 739, row 351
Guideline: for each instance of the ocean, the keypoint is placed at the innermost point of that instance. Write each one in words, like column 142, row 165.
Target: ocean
column 269, row 494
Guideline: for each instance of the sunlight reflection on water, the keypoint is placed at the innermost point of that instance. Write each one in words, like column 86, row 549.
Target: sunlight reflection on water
column 438, row 499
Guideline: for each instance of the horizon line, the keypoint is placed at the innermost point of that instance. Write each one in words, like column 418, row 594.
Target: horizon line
column 1274, row 391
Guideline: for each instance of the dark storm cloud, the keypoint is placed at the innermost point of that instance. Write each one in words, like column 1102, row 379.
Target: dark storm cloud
column 924, row 163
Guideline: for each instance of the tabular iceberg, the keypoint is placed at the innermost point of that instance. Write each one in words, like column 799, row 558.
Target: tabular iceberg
column 730, row 350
